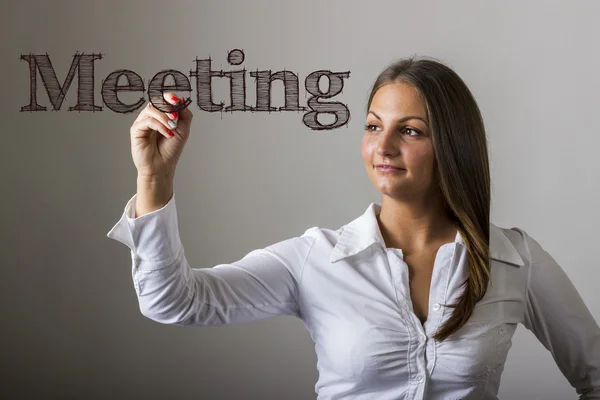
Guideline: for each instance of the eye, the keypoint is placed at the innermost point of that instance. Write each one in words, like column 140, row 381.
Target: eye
column 371, row 127
column 413, row 130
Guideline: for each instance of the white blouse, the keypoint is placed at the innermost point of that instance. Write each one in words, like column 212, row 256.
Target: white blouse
column 353, row 296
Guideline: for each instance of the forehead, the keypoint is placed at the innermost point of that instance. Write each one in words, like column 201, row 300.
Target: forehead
column 398, row 99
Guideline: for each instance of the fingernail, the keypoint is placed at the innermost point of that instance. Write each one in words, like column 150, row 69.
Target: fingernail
column 174, row 98
column 171, row 133
column 172, row 124
column 173, row 115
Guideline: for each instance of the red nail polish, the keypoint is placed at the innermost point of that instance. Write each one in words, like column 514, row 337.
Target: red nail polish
column 173, row 115
column 174, row 98
column 171, row 133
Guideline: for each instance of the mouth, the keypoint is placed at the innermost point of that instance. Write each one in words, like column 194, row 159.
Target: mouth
column 382, row 167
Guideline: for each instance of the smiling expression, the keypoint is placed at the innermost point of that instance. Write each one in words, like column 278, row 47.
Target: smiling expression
column 397, row 133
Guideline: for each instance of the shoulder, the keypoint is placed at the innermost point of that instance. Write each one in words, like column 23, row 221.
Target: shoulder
column 510, row 244
column 330, row 236
column 301, row 245
column 527, row 246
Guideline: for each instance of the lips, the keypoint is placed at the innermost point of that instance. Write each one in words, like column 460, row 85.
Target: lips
column 387, row 166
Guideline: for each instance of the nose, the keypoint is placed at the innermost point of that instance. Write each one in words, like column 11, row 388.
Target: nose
column 386, row 145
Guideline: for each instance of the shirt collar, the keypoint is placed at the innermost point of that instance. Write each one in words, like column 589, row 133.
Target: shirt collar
column 363, row 232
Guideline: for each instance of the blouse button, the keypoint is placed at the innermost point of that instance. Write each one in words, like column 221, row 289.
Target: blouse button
column 436, row 307
column 423, row 337
column 420, row 380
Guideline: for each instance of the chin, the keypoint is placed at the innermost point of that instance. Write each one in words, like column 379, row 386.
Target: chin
column 387, row 190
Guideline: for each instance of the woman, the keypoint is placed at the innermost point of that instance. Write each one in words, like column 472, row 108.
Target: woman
column 419, row 297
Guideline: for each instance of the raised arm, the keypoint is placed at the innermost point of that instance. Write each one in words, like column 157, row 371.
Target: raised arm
column 264, row 283
column 558, row 317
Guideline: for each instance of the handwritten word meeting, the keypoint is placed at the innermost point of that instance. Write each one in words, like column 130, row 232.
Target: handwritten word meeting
column 111, row 86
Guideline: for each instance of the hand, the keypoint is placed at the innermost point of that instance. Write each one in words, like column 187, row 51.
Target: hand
column 155, row 152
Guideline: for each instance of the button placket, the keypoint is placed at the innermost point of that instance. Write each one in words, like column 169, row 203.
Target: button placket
column 439, row 287
column 399, row 273
column 397, row 269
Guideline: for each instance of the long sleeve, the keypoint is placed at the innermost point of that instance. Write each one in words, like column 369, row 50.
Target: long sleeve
column 264, row 283
column 558, row 317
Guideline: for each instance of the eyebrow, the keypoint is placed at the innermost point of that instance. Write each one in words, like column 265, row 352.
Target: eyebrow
column 402, row 119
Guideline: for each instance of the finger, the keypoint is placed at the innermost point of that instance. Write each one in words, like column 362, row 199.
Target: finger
column 180, row 105
column 150, row 123
column 161, row 116
column 185, row 114
column 143, row 114
column 163, row 103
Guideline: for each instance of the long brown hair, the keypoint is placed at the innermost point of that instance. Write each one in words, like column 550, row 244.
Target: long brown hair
column 460, row 148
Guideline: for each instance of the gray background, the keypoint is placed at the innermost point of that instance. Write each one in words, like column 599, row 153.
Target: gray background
column 71, row 327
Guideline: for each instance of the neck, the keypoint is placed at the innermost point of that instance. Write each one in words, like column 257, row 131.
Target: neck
column 415, row 226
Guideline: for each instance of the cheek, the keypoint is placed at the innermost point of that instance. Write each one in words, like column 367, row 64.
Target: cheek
column 364, row 150
column 423, row 158
column 367, row 149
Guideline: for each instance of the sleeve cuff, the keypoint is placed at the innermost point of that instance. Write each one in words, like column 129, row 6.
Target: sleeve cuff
column 153, row 237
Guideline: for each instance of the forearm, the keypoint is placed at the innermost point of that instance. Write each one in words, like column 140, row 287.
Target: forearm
column 153, row 193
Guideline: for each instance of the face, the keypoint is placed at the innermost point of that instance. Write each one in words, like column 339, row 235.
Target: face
column 397, row 133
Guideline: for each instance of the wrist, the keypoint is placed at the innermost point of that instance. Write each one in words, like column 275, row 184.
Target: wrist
column 156, row 179
column 153, row 193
